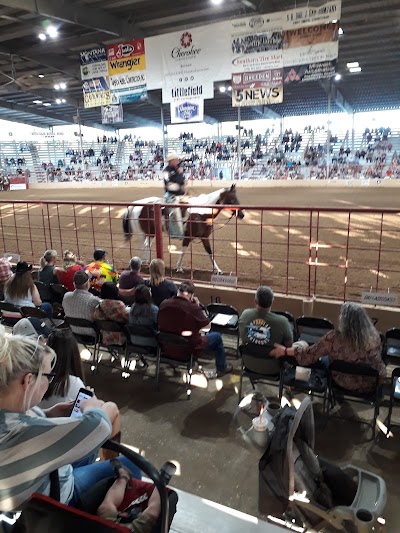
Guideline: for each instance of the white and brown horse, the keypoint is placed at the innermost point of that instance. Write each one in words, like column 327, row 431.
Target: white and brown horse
column 199, row 221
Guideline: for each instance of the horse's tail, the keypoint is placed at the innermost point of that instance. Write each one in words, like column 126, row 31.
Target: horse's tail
column 125, row 225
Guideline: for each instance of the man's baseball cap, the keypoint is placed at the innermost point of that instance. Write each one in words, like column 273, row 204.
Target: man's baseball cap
column 98, row 254
column 80, row 278
column 31, row 327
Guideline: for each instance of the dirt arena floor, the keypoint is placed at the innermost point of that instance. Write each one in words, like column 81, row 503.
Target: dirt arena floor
column 272, row 246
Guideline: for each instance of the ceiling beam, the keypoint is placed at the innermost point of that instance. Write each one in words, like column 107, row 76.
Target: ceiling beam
column 336, row 96
column 65, row 10
column 266, row 112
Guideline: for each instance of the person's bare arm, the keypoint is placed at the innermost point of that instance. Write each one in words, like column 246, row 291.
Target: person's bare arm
column 35, row 296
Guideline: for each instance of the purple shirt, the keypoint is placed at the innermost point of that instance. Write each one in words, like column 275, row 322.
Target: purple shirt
column 129, row 279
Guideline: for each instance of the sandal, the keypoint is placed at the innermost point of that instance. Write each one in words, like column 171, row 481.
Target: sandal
column 117, row 467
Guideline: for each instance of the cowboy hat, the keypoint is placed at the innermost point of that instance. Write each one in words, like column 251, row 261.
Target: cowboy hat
column 172, row 155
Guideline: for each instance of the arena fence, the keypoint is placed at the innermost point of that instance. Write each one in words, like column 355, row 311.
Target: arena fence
column 322, row 253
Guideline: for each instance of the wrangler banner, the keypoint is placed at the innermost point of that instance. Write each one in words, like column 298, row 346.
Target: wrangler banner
column 255, row 97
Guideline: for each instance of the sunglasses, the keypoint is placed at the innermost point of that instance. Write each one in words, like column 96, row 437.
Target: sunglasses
column 50, row 376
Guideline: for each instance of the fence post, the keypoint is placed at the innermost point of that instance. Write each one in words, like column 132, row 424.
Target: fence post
column 158, row 231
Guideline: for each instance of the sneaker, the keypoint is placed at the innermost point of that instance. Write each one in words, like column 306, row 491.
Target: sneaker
column 227, row 370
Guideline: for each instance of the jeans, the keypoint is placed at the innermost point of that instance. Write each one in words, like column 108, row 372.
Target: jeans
column 176, row 228
column 87, row 473
column 215, row 344
column 47, row 308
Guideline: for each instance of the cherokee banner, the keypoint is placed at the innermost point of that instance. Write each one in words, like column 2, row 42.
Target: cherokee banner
column 255, row 97
column 187, row 110
column 93, row 63
column 112, row 114
column 127, row 71
column 312, row 72
column 252, row 80
column 96, row 92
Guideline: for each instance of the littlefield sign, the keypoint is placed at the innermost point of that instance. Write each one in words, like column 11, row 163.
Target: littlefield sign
column 227, row 281
column 379, row 298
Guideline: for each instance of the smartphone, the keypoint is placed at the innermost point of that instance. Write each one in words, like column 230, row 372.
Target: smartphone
column 83, row 394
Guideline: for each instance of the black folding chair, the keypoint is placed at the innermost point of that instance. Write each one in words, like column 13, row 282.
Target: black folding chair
column 355, row 369
column 186, row 361
column 58, row 291
column 44, row 292
column 259, row 367
column 232, row 326
column 89, row 339
column 35, row 312
column 10, row 314
column 141, row 342
column 110, row 326
column 392, row 344
column 394, row 396
column 311, row 329
column 291, row 320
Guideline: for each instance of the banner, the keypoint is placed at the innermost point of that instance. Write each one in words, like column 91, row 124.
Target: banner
column 187, row 110
column 312, row 72
column 255, row 97
column 127, row 71
column 316, row 53
column 93, row 63
column 310, row 35
column 96, row 92
column 301, row 17
column 252, row 80
column 112, row 114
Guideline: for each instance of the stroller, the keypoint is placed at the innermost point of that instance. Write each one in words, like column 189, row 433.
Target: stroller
column 297, row 488
column 42, row 514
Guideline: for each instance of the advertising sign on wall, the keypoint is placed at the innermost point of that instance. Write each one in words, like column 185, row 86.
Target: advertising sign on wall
column 312, row 72
column 187, row 110
column 260, row 96
column 96, row 92
column 93, row 63
column 127, row 71
column 112, row 114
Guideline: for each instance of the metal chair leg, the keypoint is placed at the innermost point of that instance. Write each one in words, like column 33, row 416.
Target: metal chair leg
column 158, row 364
column 241, row 383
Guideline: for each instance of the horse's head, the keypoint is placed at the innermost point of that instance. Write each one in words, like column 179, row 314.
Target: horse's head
column 229, row 197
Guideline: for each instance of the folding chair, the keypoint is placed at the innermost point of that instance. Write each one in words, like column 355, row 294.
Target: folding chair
column 38, row 313
column 141, row 341
column 311, row 329
column 58, row 291
column 291, row 320
column 10, row 314
column 110, row 326
column 231, row 328
column 394, row 396
column 392, row 343
column 355, row 369
column 186, row 361
column 89, row 339
column 44, row 292
column 259, row 368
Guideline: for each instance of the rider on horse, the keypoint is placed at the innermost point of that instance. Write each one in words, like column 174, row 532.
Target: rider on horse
column 175, row 189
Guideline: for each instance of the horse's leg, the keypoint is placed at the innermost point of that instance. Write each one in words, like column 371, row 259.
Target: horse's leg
column 207, row 248
column 147, row 246
column 185, row 245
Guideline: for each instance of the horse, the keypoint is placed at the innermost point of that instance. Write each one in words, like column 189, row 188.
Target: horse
column 198, row 222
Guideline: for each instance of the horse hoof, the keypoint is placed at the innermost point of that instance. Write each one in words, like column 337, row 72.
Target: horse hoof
column 217, row 272
column 180, row 270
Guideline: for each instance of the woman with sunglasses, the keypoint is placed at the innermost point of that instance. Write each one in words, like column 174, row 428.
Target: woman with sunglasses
column 34, row 442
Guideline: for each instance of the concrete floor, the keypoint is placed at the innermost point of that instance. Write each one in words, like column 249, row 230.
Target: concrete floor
column 202, row 437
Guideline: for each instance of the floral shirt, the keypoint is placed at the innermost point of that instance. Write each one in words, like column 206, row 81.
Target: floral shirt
column 336, row 348
column 112, row 310
column 99, row 272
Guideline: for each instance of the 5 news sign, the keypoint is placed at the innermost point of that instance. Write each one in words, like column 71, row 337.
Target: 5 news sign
column 257, row 96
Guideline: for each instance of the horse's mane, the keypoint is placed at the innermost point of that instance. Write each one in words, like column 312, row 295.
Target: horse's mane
column 205, row 199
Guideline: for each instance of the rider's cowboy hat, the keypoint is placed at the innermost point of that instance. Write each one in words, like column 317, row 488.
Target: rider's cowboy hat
column 173, row 155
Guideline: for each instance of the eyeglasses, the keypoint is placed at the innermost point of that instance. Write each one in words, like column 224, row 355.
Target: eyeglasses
column 50, row 376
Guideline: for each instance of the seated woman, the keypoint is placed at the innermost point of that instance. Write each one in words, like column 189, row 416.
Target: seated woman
column 161, row 288
column 35, row 442
column 20, row 290
column 65, row 275
column 144, row 313
column 111, row 308
column 355, row 340
column 47, row 272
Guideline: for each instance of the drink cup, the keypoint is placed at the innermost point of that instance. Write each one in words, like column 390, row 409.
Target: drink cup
column 260, row 432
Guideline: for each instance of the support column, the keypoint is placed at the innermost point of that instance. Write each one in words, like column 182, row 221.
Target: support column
column 164, row 136
column 239, row 152
column 352, row 132
column 328, row 140
column 78, row 116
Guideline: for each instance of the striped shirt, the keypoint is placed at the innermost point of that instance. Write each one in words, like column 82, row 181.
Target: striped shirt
column 32, row 446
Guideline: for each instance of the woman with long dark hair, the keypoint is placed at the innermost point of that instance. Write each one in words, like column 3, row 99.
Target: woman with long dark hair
column 144, row 313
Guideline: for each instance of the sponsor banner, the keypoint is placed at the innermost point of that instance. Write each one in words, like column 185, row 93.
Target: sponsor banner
column 324, row 33
column 220, row 279
column 127, row 64
column 262, row 61
column 379, row 298
column 125, row 50
column 93, row 63
column 312, row 72
column 262, row 78
column 201, row 90
column 252, row 43
column 304, row 55
column 96, row 92
column 311, row 16
column 255, row 97
column 187, row 110
column 129, row 95
column 112, row 114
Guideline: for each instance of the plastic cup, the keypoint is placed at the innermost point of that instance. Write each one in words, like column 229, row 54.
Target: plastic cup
column 260, row 432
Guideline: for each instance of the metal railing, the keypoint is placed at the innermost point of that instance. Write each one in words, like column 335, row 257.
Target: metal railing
column 327, row 253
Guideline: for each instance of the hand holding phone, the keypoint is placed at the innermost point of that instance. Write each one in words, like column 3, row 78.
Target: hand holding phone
column 83, row 394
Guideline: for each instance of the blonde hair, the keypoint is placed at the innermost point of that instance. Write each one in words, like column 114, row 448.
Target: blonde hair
column 20, row 355
column 47, row 257
column 69, row 259
column 157, row 271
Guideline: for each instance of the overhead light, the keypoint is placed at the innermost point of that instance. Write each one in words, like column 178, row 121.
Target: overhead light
column 229, row 88
column 52, row 31
column 42, row 36
column 63, row 100
column 338, row 77
column 37, row 102
column 57, row 87
column 355, row 69
column 217, row 2
column 58, row 101
column 63, row 86
column 222, row 89
column 340, row 31
column 353, row 65
column 41, row 76
column 47, row 104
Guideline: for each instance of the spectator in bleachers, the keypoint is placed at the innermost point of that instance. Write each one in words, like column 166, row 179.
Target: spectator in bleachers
column 66, row 274
column 80, row 303
column 20, row 290
column 355, row 340
column 111, row 307
column 258, row 325
column 184, row 315
column 161, row 288
column 5, row 274
column 129, row 279
column 100, row 270
column 47, row 270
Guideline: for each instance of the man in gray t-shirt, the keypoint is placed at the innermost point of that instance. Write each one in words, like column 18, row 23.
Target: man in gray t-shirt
column 261, row 327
